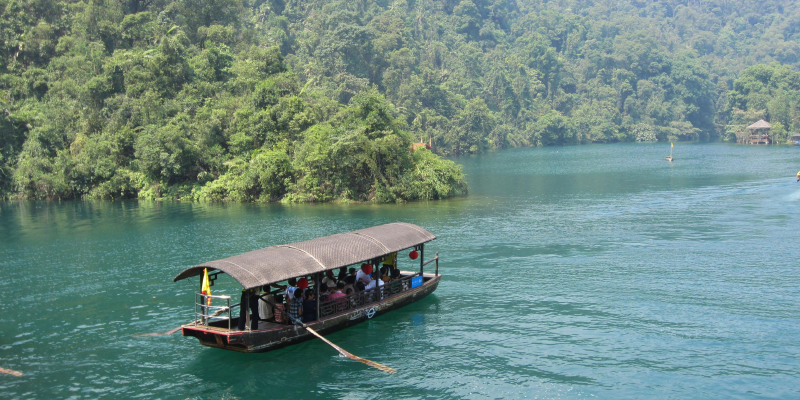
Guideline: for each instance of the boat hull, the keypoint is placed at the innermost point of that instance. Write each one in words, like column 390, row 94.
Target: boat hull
column 287, row 335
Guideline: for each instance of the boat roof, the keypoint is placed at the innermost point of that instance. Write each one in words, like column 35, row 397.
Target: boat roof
column 279, row 263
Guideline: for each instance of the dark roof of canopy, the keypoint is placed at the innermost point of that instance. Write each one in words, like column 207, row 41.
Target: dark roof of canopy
column 278, row 263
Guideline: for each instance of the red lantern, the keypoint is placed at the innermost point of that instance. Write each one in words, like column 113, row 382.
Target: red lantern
column 413, row 254
column 302, row 283
column 366, row 268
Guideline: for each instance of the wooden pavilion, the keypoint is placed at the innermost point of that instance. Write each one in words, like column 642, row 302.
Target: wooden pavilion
column 759, row 132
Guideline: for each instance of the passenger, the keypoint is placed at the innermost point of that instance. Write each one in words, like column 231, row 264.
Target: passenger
column 350, row 279
column 342, row 274
column 310, row 306
column 328, row 278
column 337, row 293
column 360, row 287
column 290, row 291
column 396, row 275
column 364, row 274
column 349, row 288
column 326, row 292
column 296, row 307
column 385, row 274
column 372, row 284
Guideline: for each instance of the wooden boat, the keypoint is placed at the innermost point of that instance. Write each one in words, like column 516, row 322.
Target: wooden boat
column 215, row 325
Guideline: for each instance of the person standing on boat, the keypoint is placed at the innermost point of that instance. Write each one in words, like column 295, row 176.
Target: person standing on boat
column 290, row 290
column 798, row 176
column 390, row 262
column 248, row 300
column 296, row 307
column 310, row 306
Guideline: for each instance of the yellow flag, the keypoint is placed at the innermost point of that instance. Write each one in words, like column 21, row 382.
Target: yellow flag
column 206, row 290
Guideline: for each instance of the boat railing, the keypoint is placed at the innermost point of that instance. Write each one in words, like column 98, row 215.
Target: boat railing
column 366, row 297
column 205, row 312
column 432, row 260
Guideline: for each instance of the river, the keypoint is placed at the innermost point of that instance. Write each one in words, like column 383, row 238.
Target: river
column 568, row 272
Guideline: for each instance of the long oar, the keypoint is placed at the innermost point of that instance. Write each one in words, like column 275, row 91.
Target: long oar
column 10, row 372
column 351, row 356
column 171, row 331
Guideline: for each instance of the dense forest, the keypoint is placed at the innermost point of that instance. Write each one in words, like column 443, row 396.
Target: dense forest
column 316, row 100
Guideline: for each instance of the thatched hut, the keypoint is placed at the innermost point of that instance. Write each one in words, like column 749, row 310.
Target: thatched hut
column 759, row 132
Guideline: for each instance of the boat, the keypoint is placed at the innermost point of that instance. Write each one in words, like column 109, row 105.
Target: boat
column 216, row 319
column 669, row 157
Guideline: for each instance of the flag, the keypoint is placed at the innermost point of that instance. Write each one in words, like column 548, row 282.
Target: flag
column 206, row 289
column 672, row 144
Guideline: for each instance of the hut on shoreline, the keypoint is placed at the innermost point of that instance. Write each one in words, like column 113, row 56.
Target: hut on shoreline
column 759, row 133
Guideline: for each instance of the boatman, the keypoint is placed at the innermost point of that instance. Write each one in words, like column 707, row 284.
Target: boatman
column 249, row 299
column 798, row 176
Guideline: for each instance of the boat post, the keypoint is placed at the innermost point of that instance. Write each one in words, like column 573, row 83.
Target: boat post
column 421, row 258
column 316, row 288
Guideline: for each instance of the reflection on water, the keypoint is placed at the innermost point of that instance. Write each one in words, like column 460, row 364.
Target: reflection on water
column 567, row 272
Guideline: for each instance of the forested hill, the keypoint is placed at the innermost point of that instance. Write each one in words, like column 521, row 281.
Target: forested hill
column 320, row 100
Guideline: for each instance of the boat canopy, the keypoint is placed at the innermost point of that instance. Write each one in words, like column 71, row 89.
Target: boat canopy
column 278, row 263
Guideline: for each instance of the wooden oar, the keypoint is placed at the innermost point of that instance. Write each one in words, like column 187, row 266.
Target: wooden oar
column 171, row 331
column 10, row 372
column 351, row 356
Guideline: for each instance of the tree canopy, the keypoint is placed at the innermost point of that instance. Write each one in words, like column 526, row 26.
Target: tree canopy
column 318, row 100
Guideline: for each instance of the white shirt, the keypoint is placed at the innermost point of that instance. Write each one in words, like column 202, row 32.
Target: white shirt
column 290, row 293
column 360, row 274
column 372, row 284
column 328, row 279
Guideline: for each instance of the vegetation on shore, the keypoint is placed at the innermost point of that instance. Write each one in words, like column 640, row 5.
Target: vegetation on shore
column 300, row 101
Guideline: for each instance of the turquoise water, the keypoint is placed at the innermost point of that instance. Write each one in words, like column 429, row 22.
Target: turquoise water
column 569, row 272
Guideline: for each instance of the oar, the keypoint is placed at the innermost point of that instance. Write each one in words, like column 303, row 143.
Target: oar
column 351, row 356
column 171, row 331
column 10, row 372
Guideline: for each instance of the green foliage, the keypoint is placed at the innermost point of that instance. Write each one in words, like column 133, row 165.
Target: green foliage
column 764, row 91
column 319, row 100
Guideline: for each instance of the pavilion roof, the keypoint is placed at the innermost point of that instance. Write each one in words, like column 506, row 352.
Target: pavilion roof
column 761, row 124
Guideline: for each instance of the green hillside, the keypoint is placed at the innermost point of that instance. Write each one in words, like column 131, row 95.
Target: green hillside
column 320, row 100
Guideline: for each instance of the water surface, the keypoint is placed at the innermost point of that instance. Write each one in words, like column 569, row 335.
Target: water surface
column 569, row 272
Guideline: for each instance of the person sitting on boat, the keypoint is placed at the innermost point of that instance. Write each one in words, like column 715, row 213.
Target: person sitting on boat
column 372, row 284
column 310, row 306
column 342, row 274
column 385, row 277
column 338, row 292
column 329, row 279
column 359, row 287
column 364, row 274
column 326, row 291
column 296, row 307
column 350, row 279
